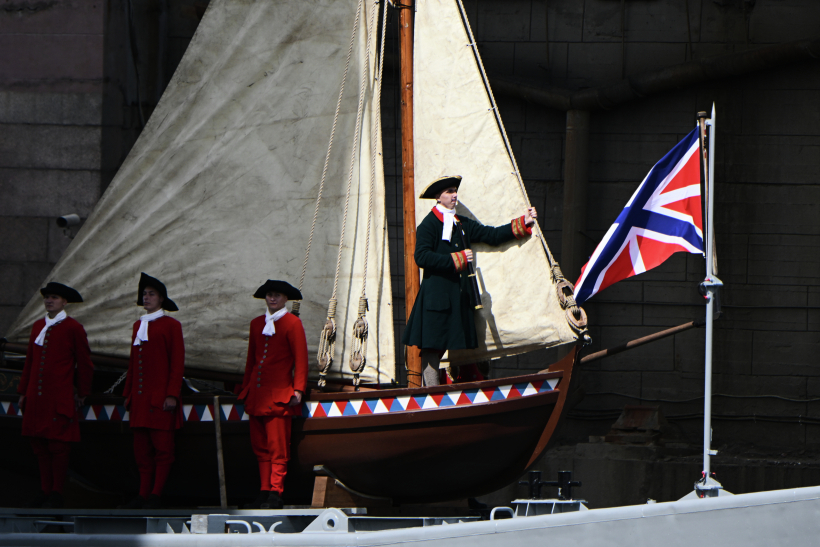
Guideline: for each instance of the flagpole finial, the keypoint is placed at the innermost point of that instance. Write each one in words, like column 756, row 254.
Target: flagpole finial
column 702, row 115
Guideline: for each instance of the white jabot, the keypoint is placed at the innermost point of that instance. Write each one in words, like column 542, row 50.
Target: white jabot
column 269, row 329
column 49, row 322
column 449, row 221
column 142, row 333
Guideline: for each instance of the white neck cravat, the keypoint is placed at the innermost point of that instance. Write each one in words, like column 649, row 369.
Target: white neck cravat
column 449, row 216
column 269, row 329
column 142, row 333
column 49, row 322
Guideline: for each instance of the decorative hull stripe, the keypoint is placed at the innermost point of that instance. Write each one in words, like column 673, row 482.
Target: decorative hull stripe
column 231, row 412
column 333, row 409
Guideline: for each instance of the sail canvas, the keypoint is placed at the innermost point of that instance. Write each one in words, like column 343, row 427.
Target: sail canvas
column 218, row 193
column 456, row 132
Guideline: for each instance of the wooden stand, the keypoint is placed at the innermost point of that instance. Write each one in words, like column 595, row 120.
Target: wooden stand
column 327, row 493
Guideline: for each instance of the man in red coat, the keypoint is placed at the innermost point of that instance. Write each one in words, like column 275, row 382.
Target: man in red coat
column 152, row 389
column 275, row 381
column 55, row 380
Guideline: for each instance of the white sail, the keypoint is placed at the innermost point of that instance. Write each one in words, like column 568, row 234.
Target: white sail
column 456, row 132
column 218, row 193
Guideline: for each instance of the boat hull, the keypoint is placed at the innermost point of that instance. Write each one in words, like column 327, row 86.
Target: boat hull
column 405, row 445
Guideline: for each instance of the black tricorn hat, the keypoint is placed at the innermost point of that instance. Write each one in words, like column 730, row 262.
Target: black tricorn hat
column 71, row 295
column 148, row 281
column 278, row 286
column 439, row 185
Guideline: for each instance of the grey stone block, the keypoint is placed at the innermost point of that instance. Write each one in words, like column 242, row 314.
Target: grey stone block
column 540, row 157
column 657, row 356
column 546, row 121
column 772, row 159
column 58, row 240
column 784, row 259
column 50, row 57
column 618, row 314
column 557, row 21
column 504, row 21
column 786, row 353
column 722, row 22
column 496, row 57
column 671, row 386
column 7, row 316
column 782, row 112
column 63, row 17
column 50, row 147
column 758, row 389
column 602, row 21
column 50, row 108
column 772, row 21
column 531, row 62
column 23, row 239
column 48, row 192
column 21, row 281
column 592, row 64
column 628, row 158
column 652, row 115
column 513, row 115
column 546, row 197
column 651, row 56
column 765, row 307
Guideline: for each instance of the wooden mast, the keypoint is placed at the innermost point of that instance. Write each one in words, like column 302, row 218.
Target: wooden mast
column 411, row 271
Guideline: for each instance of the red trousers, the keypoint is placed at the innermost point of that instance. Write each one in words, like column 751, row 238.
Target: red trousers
column 154, row 452
column 52, row 456
column 270, row 440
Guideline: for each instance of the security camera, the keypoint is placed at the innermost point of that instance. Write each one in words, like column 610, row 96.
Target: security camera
column 66, row 221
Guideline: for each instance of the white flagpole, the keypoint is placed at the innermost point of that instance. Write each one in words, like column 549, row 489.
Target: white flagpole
column 707, row 486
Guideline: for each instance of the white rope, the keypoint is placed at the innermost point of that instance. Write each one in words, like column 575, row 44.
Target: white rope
column 576, row 317
column 327, row 344
column 296, row 305
column 358, row 350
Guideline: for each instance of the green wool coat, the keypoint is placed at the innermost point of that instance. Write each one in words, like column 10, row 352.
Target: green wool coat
column 442, row 316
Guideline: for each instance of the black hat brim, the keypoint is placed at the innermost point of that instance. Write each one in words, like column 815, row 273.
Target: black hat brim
column 439, row 185
column 64, row 291
column 148, row 281
column 272, row 285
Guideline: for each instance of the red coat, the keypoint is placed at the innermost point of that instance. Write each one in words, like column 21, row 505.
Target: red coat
column 49, row 376
column 154, row 373
column 276, row 367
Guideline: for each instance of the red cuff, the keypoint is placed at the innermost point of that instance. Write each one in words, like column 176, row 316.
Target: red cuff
column 459, row 260
column 520, row 229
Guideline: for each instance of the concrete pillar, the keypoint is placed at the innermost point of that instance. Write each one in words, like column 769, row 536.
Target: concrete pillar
column 576, row 180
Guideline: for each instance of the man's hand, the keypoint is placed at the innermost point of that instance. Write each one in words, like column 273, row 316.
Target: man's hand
column 296, row 398
column 21, row 402
column 530, row 216
column 469, row 254
column 170, row 404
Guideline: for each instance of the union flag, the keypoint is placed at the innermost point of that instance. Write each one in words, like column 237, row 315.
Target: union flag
column 664, row 216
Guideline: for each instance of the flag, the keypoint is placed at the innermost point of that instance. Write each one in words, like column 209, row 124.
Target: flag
column 664, row 216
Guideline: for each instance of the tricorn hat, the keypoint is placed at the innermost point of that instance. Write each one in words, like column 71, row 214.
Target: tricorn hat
column 71, row 295
column 148, row 281
column 439, row 185
column 278, row 286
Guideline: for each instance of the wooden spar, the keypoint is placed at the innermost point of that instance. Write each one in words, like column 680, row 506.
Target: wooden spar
column 641, row 341
column 220, row 460
column 411, row 271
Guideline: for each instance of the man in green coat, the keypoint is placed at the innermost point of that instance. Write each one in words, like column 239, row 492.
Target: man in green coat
column 442, row 316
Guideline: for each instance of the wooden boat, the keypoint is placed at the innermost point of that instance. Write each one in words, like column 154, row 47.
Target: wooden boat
column 232, row 163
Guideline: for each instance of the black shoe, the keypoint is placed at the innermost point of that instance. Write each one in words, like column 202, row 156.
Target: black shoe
column 54, row 501
column 136, row 503
column 260, row 499
column 40, row 499
column 273, row 501
column 153, row 502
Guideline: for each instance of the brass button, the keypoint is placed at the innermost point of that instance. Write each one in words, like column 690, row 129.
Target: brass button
column 139, row 393
column 140, row 361
column 39, row 393
column 261, row 360
column 258, row 385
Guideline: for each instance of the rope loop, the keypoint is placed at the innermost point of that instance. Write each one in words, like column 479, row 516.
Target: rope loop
column 294, row 309
column 358, row 351
column 327, row 343
column 576, row 316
